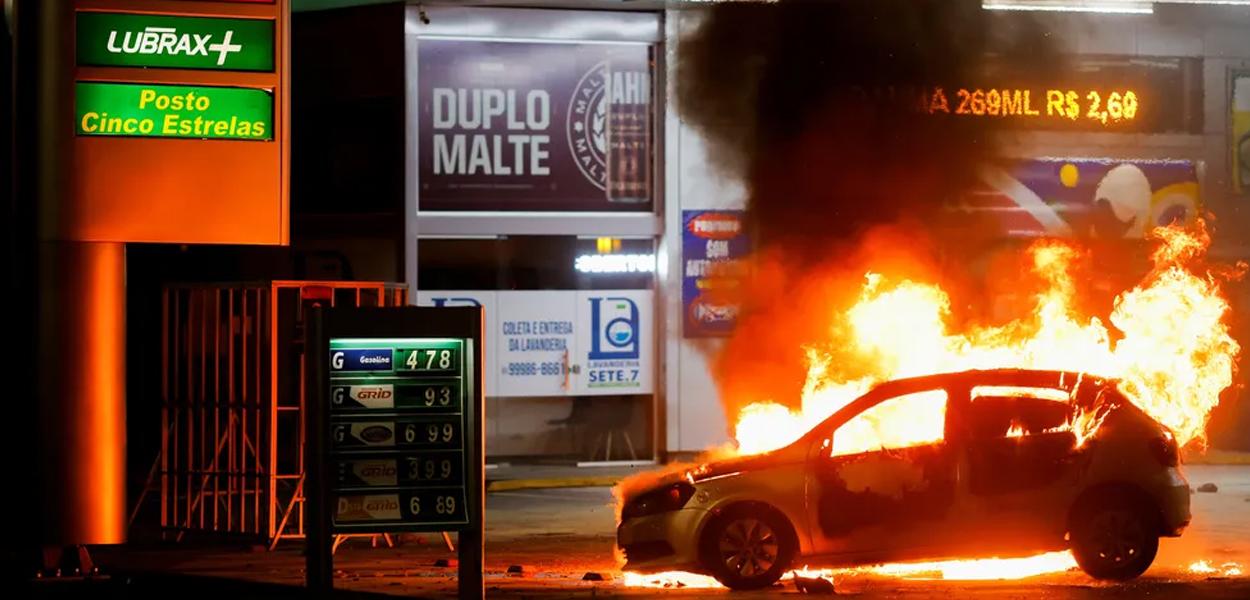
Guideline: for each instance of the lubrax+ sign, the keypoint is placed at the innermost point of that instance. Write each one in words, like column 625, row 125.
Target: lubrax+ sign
column 137, row 40
column 177, row 111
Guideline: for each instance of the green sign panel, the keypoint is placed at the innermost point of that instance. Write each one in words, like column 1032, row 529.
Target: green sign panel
column 173, row 111
column 398, row 432
column 137, row 40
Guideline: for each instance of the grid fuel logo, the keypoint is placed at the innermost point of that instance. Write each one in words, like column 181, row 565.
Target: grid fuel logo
column 134, row 40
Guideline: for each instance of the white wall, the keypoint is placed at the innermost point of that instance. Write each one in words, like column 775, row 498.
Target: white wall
column 695, row 417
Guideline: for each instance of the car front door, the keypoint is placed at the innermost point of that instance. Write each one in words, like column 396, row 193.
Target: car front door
column 881, row 486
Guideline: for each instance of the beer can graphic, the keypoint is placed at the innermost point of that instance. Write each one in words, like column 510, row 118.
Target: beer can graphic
column 628, row 100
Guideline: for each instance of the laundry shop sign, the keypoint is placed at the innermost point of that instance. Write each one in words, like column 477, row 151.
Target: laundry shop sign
column 162, row 41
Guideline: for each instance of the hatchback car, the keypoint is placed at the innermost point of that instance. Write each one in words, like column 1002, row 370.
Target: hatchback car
column 1007, row 472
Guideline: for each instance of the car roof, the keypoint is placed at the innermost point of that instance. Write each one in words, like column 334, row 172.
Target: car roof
column 1065, row 380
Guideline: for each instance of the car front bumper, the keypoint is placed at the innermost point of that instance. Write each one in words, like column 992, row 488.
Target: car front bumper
column 666, row 541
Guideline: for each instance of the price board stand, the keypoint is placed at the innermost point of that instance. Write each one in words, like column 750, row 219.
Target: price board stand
column 394, row 431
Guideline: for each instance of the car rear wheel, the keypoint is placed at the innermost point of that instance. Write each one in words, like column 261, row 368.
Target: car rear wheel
column 748, row 547
column 1114, row 539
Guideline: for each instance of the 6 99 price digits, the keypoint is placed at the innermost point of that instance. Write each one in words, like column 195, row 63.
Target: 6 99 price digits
column 445, row 433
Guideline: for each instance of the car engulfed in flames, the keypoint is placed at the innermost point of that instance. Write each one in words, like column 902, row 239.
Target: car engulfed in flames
column 913, row 441
column 974, row 490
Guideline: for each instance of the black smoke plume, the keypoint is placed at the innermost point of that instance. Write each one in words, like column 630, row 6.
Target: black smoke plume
column 820, row 108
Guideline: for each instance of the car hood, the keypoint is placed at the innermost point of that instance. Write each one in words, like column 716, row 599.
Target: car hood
column 740, row 464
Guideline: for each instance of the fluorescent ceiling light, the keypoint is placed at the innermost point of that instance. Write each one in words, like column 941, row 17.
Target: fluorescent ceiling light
column 1133, row 7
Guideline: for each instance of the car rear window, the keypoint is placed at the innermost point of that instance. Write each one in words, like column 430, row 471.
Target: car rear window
column 996, row 413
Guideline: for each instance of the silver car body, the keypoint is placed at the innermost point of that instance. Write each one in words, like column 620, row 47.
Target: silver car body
column 1016, row 502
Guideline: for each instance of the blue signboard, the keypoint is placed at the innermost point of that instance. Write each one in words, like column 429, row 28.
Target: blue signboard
column 361, row 359
column 1084, row 197
column 713, row 250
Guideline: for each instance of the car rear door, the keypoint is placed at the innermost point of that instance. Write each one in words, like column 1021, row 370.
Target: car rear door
column 1018, row 465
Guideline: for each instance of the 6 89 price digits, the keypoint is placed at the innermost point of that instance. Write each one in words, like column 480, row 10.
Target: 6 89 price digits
column 434, row 506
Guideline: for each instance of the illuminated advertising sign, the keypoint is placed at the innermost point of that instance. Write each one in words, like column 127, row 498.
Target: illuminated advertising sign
column 1092, row 106
column 138, row 40
column 714, row 246
column 1101, row 198
column 1156, row 94
column 534, row 126
column 174, row 111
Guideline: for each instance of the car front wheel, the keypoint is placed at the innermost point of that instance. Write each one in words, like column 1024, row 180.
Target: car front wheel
column 1113, row 539
column 747, row 547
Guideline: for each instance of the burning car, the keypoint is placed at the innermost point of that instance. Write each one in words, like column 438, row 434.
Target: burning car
column 1020, row 462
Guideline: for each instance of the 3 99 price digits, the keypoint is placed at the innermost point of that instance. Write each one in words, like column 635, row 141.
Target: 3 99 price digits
column 432, row 469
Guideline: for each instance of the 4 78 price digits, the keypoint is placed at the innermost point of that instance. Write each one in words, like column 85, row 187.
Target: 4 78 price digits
column 429, row 359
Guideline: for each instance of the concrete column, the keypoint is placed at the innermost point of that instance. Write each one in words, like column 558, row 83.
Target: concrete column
column 82, row 392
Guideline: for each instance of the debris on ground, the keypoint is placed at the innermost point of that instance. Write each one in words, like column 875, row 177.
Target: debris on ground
column 814, row 585
column 1209, row 488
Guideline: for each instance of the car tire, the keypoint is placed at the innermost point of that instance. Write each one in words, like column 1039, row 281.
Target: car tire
column 748, row 546
column 1114, row 538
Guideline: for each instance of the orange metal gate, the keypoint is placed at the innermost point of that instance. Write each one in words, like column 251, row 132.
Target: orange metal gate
column 232, row 407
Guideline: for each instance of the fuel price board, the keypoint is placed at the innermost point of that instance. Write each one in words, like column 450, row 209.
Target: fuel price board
column 398, row 422
column 401, row 458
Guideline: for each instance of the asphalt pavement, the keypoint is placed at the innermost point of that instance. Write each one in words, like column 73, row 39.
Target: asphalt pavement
column 556, row 536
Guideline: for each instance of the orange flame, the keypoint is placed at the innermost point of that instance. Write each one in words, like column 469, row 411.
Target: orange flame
column 1169, row 347
column 983, row 569
column 1203, row 567
column 1167, row 344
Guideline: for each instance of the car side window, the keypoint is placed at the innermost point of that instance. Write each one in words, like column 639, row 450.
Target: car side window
column 997, row 412
column 904, row 421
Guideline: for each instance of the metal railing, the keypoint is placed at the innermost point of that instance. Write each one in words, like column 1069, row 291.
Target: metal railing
column 232, row 409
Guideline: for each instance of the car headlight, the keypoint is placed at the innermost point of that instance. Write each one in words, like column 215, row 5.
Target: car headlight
column 664, row 499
